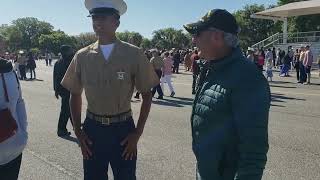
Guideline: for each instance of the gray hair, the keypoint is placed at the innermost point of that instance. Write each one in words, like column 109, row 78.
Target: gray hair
column 231, row 40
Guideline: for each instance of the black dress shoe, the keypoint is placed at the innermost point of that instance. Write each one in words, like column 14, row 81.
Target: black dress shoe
column 160, row 97
column 64, row 134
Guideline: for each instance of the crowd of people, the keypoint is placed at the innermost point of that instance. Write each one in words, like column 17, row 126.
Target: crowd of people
column 301, row 60
column 25, row 62
column 167, row 62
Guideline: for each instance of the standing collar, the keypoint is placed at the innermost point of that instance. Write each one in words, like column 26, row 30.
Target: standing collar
column 95, row 48
column 96, row 45
column 219, row 64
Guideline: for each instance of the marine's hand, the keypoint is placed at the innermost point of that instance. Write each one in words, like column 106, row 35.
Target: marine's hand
column 84, row 143
column 131, row 142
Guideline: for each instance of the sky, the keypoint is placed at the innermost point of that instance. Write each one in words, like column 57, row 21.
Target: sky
column 143, row 16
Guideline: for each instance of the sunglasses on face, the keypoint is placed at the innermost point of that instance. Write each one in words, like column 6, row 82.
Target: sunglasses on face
column 104, row 16
column 198, row 33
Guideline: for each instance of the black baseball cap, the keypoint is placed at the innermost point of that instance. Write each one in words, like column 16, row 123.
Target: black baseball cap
column 217, row 18
column 103, row 11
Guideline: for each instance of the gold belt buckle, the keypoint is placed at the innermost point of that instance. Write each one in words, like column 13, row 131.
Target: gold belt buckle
column 106, row 121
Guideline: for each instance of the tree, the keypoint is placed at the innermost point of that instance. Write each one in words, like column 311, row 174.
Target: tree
column 130, row 37
column 146, row 44
column 170, row 38
column 35, row 51
column 302, row 23
column 85, row 39
column 3, row 44
column 31, row 29
column 11, row 36
column 55, row 40
column 254, row 30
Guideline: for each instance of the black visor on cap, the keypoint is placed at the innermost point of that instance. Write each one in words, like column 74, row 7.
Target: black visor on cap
column 103, row 12
column 217, row 18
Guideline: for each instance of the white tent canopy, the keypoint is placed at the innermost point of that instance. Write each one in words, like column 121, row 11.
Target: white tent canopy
column 289, row 10
column 293, row 9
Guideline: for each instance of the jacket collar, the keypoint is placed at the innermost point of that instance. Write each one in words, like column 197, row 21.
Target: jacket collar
column 222, row 63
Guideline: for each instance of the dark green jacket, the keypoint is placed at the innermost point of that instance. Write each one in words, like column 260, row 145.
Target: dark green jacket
column 230, row 120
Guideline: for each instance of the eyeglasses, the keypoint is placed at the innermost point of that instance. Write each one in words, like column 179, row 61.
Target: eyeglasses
column 104, row 16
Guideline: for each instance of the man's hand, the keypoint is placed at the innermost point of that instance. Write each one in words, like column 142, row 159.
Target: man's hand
column 56, row 94
column 131, row 143
column 84, row 143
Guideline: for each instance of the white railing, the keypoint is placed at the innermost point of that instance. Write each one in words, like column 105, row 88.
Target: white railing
column 299, row 37
column 266, row 42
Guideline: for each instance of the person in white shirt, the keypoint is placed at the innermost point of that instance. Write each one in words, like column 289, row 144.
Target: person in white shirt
column 11, row 148
column 250, row 53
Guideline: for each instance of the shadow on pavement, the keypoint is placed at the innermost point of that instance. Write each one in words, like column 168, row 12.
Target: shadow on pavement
column 288, row 87
column 38, row 80
column 184, row 99
column 281, row 82
column 185, row 73
column 34, row 80
column 166, row 103
column 70, row 138
column 275, row 97
column 275, row 105
column 180, row 101
column 175, row 102
column 316, row 84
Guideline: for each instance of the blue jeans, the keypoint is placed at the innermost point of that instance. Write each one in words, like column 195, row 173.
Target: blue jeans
column 303, row 74
column 106, row 149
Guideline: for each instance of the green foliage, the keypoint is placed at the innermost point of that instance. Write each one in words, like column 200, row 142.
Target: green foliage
column 35, row 51
column 31, row 29
column 170, row 38
column 55, row 40
column 27, row 33
column 254, row 30
column 283, row 2
column 302, row 23
column 84, row 39
column 130, row 37
column 146, row 44
column 12, row 36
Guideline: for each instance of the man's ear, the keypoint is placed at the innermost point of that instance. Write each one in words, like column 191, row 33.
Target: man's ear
column 118, row 23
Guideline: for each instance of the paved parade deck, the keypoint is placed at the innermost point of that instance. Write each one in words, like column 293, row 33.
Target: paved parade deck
column 165, row 147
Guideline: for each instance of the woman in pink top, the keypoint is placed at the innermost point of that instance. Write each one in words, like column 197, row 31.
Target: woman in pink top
column 167, row 73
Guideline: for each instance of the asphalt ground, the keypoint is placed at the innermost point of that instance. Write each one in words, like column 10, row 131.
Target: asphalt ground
column 165, row 147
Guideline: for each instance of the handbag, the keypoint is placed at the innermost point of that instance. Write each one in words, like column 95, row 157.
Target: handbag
column 8, row 125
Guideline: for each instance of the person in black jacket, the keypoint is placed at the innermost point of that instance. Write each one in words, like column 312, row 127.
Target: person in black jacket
column 229, row 119
column 176, row 62
column 59, row 71
column 31, row 65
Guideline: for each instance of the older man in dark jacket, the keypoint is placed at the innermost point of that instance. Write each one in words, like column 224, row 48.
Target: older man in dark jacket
column 59, row 71
column 230, row 112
